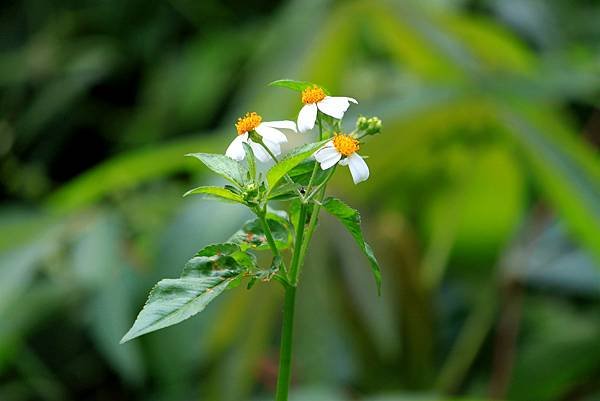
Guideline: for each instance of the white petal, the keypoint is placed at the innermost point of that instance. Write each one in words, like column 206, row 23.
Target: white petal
column 358, row 168
column 236, row 149
column 344, row 161
column 285, row 124
column 273, row 146
column 325, row 153
column 260, row 153
column 307, row 117
column 353, row 100
column 331, row 161
column 271, row 134
column 334, row 106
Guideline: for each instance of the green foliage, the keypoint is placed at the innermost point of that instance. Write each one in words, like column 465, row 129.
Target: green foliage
column 223, row 166
column 252, row 235
column 294, row 85
column 487, row 135
column 291, row 160
column 204, row 277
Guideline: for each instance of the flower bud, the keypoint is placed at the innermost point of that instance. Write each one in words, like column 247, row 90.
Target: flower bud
column 369, row 126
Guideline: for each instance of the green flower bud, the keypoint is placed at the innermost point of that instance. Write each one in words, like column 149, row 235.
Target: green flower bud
column 369, row 126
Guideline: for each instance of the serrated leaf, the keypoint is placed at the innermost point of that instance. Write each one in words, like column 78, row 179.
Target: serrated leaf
column 252, row 235
column 172, row 301
column 217, row 193
column 291, row 160
column 224, row 166
column 350, row 218
column 211, row 271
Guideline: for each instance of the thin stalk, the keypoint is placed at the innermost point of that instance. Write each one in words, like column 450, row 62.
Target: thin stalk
column 321, row 185
column 269, row 235
column 285, row 354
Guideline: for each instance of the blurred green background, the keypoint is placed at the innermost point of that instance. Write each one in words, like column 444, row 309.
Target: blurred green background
column 483, row 205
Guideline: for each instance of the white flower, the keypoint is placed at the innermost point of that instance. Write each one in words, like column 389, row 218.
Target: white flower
column 342, row 149
column 314, row 98
column 270, row 132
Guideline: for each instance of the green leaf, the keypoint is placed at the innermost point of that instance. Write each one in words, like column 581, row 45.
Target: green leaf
column 211, row 271
column 350, row 218
column 302, row 172
column 223, row 165
column 172, row 301
column 252, row 235
column 298, row 86
column 291, row 160
column 284, row 191
column 217, row 193
column 218, row 251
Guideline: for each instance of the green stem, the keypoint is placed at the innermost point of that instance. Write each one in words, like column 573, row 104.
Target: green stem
column 321, row 185
column 312, row 224
column 262, row 216
column 298, row 245
column 285, row 354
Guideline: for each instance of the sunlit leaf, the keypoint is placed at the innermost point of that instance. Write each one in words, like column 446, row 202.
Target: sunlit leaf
column 298, row 86
column 350, row 218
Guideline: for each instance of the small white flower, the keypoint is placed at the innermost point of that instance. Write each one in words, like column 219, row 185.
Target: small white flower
column 314, row 98
column 342, row 149
column 270, row 132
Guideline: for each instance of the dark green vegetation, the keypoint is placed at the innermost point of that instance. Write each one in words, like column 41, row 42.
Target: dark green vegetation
column 483, row 205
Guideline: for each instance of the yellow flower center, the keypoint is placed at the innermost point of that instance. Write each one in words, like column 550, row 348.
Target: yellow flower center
column 312, row 94
column 345, row 144
column 247, row 123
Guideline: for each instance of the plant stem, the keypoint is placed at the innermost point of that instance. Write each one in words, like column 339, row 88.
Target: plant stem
column 262, row 213
column 300, row 246
column 285, row 354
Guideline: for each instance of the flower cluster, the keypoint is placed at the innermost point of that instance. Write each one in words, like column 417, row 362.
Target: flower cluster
column 266, row 137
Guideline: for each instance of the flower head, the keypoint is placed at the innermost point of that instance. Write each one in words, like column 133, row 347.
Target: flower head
column 313, row 94
column 269, row 132
column 342, row 149
column 247, row 123
column 315, row 99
